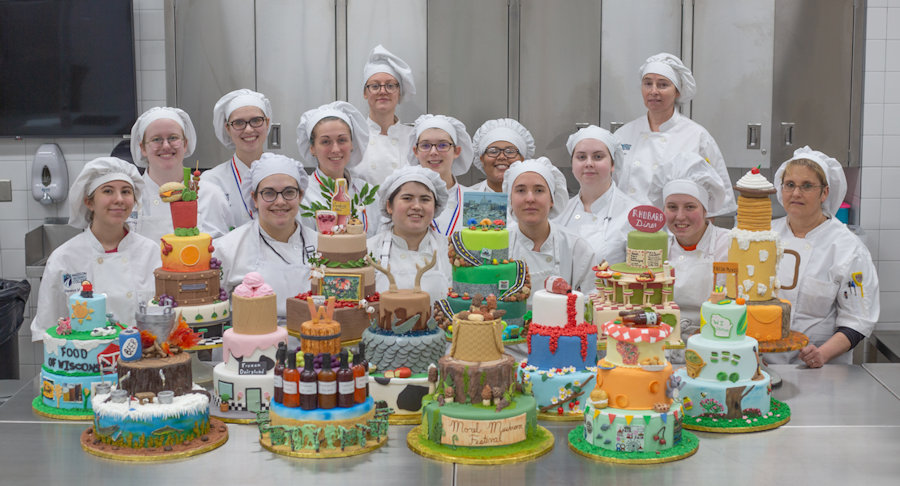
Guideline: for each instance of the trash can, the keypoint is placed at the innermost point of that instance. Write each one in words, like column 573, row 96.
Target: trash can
column 13, row 296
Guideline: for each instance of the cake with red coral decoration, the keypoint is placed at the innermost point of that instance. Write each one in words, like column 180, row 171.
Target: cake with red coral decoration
column 562, row 349
column 245, row 380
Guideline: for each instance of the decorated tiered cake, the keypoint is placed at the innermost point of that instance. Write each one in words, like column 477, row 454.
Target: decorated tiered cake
column 724, row 387
column 245, row 380
column 756, row 250
column 79, row 353
column 189, row 276
column 479, row 254
column 156, row 412
column 562, row 350
column 645, row 280
column 633, row 414
column 478, row 412
column 403, row 342
column 339, row 266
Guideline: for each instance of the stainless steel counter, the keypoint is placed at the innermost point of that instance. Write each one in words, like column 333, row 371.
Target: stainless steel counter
column 844, row 430
column 888, row 374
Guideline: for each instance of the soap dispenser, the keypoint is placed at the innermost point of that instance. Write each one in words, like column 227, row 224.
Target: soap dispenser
column 49, row 175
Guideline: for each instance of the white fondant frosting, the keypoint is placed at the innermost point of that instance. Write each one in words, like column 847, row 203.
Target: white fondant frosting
column 550, row 309
column 190, row 403
column 763, row 255
column 750, row 270
column 754, row 181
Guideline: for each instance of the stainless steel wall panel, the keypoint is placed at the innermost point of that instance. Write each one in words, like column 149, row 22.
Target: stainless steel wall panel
column 401, row 27
column 632, row 32
column 733, row 43
column 295, row 61
column 214, row 54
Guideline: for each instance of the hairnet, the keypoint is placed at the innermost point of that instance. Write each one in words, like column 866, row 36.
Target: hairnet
column 232, row 101
column 671, row 67
column 359, row 130
column 601, row 134
column 834, row 175
column 555, row 179
column 156, row 113
column 94, row 174
column 270, row 164
column 402, row 175
column 458, row 135
column 688, row 173
column 506, row 130
column 383, row 61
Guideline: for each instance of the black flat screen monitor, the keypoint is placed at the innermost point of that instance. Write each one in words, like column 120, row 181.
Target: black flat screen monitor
column 67, row 68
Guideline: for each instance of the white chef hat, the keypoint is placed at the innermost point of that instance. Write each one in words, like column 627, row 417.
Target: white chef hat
column 507, row 130
column 458, row 135
column 402, row 175
column 593, row 131
column 156, row 113
column 834, row 175
column 382, row 61
column 94, row 174
column 670, row 66
column 359, row 130
column 556, row 182
column 270, row 164
column 232, row 101
column 688, row 173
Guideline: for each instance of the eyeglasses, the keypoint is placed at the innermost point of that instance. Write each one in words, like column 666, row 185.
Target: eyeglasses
column 805, row 188
column 288, row 193
column 494, row 152
column 255, row 122
column 390, row 87
column 174, row 141
column 440, row 146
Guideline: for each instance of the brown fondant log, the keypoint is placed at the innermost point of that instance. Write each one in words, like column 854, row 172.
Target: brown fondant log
column 320, row 337
column 188, row 288
column 400, row 305
column 353, row 320
column 144, row 375
column 500, row 373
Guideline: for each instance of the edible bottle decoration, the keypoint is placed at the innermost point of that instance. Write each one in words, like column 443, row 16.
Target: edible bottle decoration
column 291, row 381
column 340, row 203
column 361, row 350
column 309, row 390
column 279, row 372
column 639, row 318
column 346, row 383
column 360, row 380
column 328, row 393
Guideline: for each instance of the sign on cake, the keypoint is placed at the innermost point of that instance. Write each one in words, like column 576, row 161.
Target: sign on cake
column 252, row 368
column 648, row 219
column 484, row 205
column 483, row 432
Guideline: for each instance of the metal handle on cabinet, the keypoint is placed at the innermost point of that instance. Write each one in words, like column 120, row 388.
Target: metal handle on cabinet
column 580, row 125
column 753, row 132
column 613, row 126
column 275, row 136
column 787, row 132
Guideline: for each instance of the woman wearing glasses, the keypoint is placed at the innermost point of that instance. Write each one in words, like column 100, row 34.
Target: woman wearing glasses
column 273, row 244
column 653, row 139
column 499, row 143
column 836, row 301
column 334, row 136
column 441, row 143
column 161, row 139
column 388, row 80
column 241, row 122
column 599, row 212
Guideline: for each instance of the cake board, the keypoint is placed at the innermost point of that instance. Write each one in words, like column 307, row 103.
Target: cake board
column 285, row 449
column 218, row 435
column 536, row 446
column 405, row 418
column 567, row 416
column 79, row 415
column 232, row 416
column 686, row 448
column 779, row 414
column 795, row 341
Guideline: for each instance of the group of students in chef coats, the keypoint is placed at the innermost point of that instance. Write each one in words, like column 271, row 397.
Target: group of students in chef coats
column 251, row 204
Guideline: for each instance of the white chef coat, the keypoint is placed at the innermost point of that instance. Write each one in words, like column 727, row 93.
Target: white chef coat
column 283, row 265
column 121, row 276
column 605, row 227
column 369, row 215
column 563, row 253
column 154, row 219
column 450, row 220
column 481, row 187
column 390, row 249
column 233, row 177
column 694, row 274
column 385, row 153
column 645, row 150
column 826, row 297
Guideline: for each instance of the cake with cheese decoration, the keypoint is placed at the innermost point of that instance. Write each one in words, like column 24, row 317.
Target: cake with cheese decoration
column 245, row 380
column 80, row 352
column 562, row 349
column 645, row 280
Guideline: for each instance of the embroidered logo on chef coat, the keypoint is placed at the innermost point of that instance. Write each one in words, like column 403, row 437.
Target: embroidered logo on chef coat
column 72, row 281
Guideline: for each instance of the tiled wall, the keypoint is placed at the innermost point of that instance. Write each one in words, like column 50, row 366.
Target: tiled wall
column 878, row 214
column 16, row 157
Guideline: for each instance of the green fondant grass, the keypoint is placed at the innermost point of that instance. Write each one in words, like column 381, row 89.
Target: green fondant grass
column 688, row 443
column 81, row 335
column 38, row 404
column 779, row 412
column 534, row 441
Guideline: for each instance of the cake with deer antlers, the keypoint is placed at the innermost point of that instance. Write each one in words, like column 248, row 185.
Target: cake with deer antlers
column 404, row 343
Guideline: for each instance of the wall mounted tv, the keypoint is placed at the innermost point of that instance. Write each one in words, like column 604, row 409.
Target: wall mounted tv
column 67, row 68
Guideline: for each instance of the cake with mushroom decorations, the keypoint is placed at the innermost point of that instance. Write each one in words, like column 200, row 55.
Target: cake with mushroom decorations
column 403, row 342
column 80, row 353
column 562, row 350
column 645, row 281
column 245, row 380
